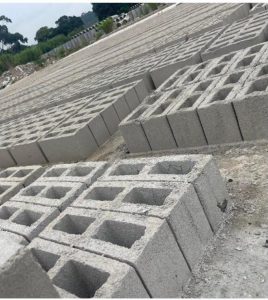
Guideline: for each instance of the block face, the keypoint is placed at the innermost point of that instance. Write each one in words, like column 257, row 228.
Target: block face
column 8, row 190
column 97, row 276
column 21, row 275
column 135, row 240
column 218, row 118
column 251, row 109
column 6, row 160
column 25, row 219
column 73, row 145
column 52, row 194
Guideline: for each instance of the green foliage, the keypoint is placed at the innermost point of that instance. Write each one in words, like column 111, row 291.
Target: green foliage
column 67, row 24
column 106, row 25
column 27, row 55
column 104, row 10
column 52, row 43
column 7, row 38
column 98, row 35
column 43, row 34
column 153, row 6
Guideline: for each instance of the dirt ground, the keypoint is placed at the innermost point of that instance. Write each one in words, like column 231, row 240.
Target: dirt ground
column 236, row 261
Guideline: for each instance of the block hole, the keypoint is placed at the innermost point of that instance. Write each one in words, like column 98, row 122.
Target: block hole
column 255, row 49
column 119, row 233
column 6, row 212
column 104, row 193
column 189, row 102
column 245, row 61
column 73, row 224
column 217, row 70
column 80, row 171
column 173, row 167
column 57, row 192
column 128, row 169
column 227, row 57
column 221, row 95
column 47, row 260
column 233, row 78
column 149, row 196
column 191, row 76
column 6, row 173
column 80, row 279
column 258, row 86
column 22, row 173
column 27, row 217
column 3, row 188
column 55, row 172
column 202, row 86
column 263, row 71
column 32, row 191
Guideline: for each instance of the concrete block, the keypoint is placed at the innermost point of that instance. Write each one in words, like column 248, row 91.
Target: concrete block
column 27, row 220
column 251, row 109
column 20, row 275
column 81, row 274
column 70, row 145
column 218, row 118
column 155, row 123
column 82, row 172
column 136, row 240
column 24, row 175
column 183, row 118
column 13, row 237
column 239, row 35
column 28, row 153
column 6, row 160
column 131, row 128
column 200, row 170
column 53, row 194
column 8, row 190
column 178, row 204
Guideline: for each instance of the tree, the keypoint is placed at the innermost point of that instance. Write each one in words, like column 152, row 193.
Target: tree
column 104, row 10
column 43, row 34
column 8, row 39
column 66, row 24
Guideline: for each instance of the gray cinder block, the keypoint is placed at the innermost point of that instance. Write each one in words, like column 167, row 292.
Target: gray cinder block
column 200, row 170
column 81, row 274
column 218, row 118
column 27, row 220
column 145, row 243
column 70, row 145
column 177, row 203
column 48, row 193
column 6, row 160
column 183, row 118
column 20, row 275
column 251, row 109
column 8, row 190
column 24, row 175
column 155, row 123
column 82, row 172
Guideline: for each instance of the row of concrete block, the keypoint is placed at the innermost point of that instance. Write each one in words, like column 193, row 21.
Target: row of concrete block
column 210, row 103
column 101, row 56
column 127, row 234
column 70, row 131
column 170, row 57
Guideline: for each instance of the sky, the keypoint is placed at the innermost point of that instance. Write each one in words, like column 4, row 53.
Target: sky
column 27, row 18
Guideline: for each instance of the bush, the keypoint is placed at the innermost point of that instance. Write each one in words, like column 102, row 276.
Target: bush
column 106, row 25
column 27, row 55
column 6, row 62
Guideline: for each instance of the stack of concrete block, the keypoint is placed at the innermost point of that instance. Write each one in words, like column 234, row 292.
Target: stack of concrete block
column 13, row 179
column 81, row 134
column 21, row 276
column 196, row 105
column 81, row 274
column 244, row 33
column 188, row 53
column 23, row 148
